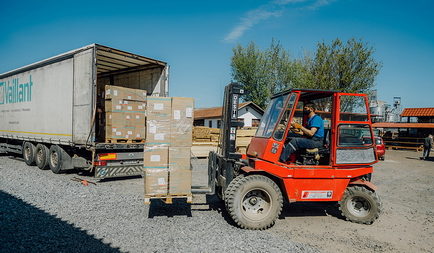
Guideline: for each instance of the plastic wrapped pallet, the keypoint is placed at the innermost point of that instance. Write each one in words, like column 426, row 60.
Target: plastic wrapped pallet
column 180, row 170
column 157, row 132
column 159, row 108
column 156, row 168
column 118, row 92
column 125, row 113
column 181, row 132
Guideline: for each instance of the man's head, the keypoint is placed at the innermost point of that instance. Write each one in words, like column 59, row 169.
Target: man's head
column 309, row 107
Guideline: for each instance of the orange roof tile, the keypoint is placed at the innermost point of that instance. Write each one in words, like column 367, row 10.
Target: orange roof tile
column 402, row 125
column 418, row 112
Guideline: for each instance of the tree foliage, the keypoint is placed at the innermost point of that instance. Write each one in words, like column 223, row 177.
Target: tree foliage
column 262, row 73
column 346, row 67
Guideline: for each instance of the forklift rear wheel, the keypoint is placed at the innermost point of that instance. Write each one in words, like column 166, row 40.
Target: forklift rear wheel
column 42, row 155
column 254, row 202
column 360, row 205
column 29, row 153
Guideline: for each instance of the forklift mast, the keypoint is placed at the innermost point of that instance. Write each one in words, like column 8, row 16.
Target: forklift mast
column 230, row 122
column 221, row 164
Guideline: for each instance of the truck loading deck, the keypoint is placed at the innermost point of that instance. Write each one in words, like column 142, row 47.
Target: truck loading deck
column 51, row 110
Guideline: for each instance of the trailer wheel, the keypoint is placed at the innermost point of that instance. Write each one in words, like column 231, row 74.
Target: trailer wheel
column 55, row 159
column 29, row 153
column 41, row 157
column 360, row 205
column 254, row 202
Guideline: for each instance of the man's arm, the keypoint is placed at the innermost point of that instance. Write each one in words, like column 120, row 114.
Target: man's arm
column 310, row 132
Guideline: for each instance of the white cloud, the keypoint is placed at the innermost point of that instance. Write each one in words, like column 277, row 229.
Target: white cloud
column 252, row 18
column 273, row 9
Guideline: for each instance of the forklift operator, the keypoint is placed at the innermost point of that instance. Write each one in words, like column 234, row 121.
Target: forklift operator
column 314, row 132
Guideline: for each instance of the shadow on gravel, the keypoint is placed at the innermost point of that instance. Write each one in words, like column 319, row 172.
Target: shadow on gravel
column 429, row 159
column 26, row 228
column 118, row 179
column 178, row 208
column 306, row 209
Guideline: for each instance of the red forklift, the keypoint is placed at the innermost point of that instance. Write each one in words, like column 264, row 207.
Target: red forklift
column 255, row 185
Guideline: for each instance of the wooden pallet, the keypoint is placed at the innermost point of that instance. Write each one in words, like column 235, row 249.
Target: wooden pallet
column 122, row 140
column 168, row 199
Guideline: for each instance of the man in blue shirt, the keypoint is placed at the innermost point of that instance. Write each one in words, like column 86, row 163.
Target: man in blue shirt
column 314, row 131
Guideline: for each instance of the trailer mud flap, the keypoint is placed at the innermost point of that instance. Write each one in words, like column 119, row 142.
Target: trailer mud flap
column 118, row 171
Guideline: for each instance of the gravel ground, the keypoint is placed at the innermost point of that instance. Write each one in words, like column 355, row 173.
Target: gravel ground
column 44, row 212
column 41, row 211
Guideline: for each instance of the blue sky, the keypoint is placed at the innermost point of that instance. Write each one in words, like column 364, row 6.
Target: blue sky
column 196, row 37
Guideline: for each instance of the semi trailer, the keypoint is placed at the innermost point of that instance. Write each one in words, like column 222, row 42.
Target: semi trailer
column 51, row 110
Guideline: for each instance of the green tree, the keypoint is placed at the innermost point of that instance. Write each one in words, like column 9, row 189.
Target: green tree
column 263, row 73
column 348, row 67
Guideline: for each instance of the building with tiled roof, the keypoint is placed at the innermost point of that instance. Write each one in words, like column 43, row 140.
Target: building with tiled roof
column 418, row 112
column 249, row 112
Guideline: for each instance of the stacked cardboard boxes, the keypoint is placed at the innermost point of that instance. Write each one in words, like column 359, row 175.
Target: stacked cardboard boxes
column 125, row 113
column 168, row 146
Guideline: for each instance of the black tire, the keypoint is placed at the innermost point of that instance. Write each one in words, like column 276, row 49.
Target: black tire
column 230, row 188
column 55, row 159
column 254, row 202
column 29, row 153
column 382, row 158
column 41, row 156
column 360, row 205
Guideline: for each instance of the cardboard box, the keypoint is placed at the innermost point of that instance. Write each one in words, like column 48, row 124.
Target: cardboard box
column 179, row 158
column 180, row 170
column 156, row 166
column 123, row 119
column 180, row 182
column 156, row 181
column 156, row 157
column 157, row 132
column 159, row 108
column 114, row 132
column 123, row 105
column 118, row 92
column 181, row 133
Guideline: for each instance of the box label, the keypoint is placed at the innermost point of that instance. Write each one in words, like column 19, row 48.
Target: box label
column 177, row 114
column 161, row 181
column 152, row 129
column 189, row 112
column 158, row 106
column 115, row 92
column 130, row 108
column 155, row 158
column 159, row 137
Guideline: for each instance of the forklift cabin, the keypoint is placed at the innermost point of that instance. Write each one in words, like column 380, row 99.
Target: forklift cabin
column 254, row 185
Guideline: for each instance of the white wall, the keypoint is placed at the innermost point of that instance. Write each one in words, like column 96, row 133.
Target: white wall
column 213, row 123
column 248, row 114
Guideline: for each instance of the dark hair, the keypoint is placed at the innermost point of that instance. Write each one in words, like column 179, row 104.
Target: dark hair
column 311, row 105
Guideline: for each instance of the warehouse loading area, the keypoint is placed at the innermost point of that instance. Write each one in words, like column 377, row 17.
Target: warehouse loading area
column 405, row 185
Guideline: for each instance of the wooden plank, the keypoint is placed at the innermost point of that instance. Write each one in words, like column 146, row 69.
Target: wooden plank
column 202, row 151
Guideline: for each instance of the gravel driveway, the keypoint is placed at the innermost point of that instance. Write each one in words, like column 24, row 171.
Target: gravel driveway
column 41, row 211
column 44, row 212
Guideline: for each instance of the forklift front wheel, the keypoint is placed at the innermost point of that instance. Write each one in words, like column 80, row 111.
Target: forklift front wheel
column 254, row 202
column 360, row 205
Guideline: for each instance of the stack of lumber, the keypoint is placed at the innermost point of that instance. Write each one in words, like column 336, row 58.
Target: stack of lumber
column 205, row 139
